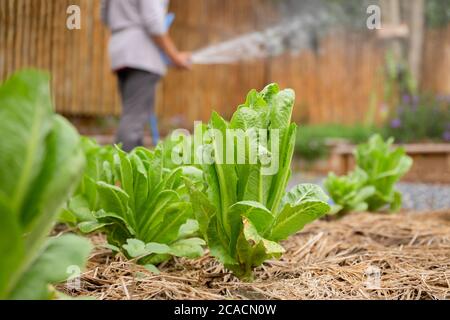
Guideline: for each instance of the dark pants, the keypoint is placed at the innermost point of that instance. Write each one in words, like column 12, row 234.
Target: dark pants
column 137, row 90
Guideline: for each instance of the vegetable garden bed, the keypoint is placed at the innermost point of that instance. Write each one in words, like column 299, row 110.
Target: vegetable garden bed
column 327, row 260
column 147, row 213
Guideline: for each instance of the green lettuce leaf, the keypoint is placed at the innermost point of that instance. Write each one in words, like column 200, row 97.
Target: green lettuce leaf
column 244, row 210
column 41, row 164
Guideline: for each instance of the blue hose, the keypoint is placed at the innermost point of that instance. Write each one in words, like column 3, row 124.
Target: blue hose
column 154, row 129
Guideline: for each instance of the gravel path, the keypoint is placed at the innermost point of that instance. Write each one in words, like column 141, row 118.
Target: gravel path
column 416, row 196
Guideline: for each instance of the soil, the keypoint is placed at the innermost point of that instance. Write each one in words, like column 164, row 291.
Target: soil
column 361, row 256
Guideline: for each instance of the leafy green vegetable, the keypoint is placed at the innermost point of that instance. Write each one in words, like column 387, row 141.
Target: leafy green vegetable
column 51, row 266
column 41, row 163
column 99, row 160
column 140, row 204
column 350, row 192
column 384, row 166
column 243, row 211
column 371, row 186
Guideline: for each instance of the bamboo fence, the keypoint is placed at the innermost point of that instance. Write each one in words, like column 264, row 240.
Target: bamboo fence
column 342, row 81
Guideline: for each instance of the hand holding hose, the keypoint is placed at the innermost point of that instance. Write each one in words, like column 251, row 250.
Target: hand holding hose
column 182, row 60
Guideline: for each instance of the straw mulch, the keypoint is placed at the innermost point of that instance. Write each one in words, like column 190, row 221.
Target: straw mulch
column 327, row 260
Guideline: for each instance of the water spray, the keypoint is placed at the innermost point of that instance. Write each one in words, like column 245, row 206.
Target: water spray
column 294, row 35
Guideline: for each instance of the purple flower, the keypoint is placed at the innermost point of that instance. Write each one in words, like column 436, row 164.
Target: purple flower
column 406, row 99
column 415, row 100
column 396, row 123
column 446, row 136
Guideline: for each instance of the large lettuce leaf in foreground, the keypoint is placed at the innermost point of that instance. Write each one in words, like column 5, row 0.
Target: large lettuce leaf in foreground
column 41, row 162
column 142, row 206
column 243, row 210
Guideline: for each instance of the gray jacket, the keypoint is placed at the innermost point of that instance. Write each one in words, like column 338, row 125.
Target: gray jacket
column 132, row 23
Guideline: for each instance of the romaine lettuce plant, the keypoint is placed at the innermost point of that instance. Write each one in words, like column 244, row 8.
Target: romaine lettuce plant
column 384, row 167
column 349, row 192
column 142, row 206
column 371, row 186
column 41, row 162
column 99, row 161
column 243, row 210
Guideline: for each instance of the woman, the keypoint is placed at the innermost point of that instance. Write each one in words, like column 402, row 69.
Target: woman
column 138, row 43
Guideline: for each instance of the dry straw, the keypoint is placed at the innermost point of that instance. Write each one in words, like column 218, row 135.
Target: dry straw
column 328, row 260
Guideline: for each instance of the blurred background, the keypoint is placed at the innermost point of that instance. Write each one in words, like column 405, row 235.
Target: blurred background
column 350, row 81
